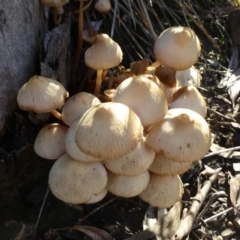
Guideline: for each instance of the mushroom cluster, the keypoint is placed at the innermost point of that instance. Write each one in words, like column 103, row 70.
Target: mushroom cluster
column 136, row 144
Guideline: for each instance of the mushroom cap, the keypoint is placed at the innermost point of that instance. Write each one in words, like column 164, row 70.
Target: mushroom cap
column 77, row 105
column 103, row 54
column 162, row 191
column 144, row 97
column 54, row 3
column 73, row 150
column 75, row 182
column 134, row 163
column 189, row 97
column 97, row 197
column 41, row 95
column 50, row 141
column 167, row 91
column 127, row 186
column 165, row 166
column 177, row 48
column 108, row 130
column 190, row 76
column 183, row 136
column 103, row 6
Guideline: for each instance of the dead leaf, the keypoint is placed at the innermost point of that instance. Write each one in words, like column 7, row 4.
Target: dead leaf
column 167, row 224
column 234, row 189
column 94, row 233
column 233, row 86
column 228, row 154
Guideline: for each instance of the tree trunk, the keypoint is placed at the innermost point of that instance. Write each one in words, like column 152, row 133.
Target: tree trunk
column 21, row 25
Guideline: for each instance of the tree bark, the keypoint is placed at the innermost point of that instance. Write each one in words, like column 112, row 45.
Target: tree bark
column 21, row 25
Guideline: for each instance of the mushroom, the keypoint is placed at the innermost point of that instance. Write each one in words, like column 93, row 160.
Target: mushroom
column 189, row 97
column 162, row 191
column 183, row 136
column 167, row 76
column 72, row 148
column 134, row 163
column 75, row 182
column 103, row 54
column 164, row 166
column 127, row 186
column 167, row 91
column 144, row 97
column 77, row 105
column 42, row 95
column 177, row 48
column 97, row 197
column 139, row 67
column 57, row 6
column 108, row 130
column 50, row 141
column 190, row 76
column 103, row 6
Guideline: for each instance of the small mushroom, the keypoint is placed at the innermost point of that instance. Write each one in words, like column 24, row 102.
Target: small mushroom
column 164, row 166
column 57, row 6
column 42, row 95
column 127, row 186
column 183, row 136
column 103, row 6
column 103, row 54
column 97, row 197
column 144, row 97
column 50, row 141
column 77, row 105
column 108, row 130
column 177, row 48
column 72, row 148
column 190, row 76
column 189, row 97
column 75, row 182
column 162, row 191
column 134, row 163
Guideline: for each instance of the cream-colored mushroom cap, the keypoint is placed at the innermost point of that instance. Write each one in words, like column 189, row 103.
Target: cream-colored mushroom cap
column 134, row 163
column 190, row 76
column 97, row 197
column 177, row 48
column 108, row 130
column 144, row 97
column 77, row 105
column 73, row 150
column 127, row 186
column 165, row 166
column 54, row 3
column 189, row 97
column 183, row 136
column 104, row 53
column 103, row 6
column 75, row 182
column 41, row 95
column 50, row 141
column 162, row 191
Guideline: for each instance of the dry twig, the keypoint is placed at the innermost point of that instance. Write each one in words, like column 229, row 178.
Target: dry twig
column 187, row 220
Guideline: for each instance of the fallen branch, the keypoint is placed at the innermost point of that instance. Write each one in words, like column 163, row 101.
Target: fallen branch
column 187, row 220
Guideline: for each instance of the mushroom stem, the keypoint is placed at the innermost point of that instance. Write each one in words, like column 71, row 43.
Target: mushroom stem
column 57, row 18
column 57, row 114
column 98, row 82
column 156, row 64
